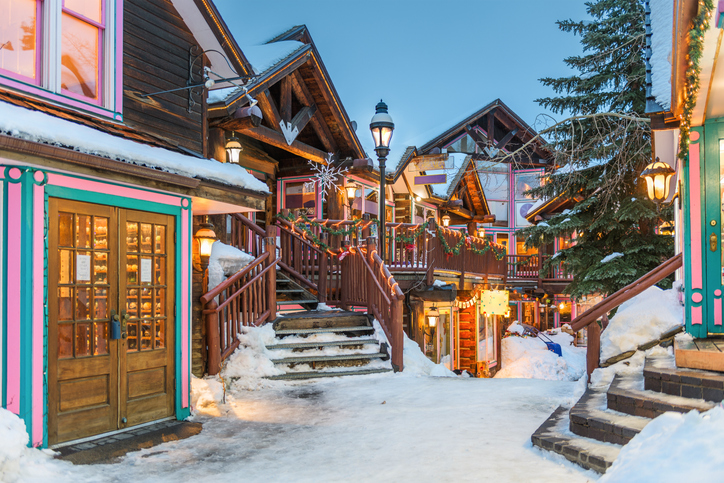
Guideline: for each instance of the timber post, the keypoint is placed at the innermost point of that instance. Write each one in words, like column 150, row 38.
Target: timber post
column 430, row 254
column 322, row 273
column 371, row 247
column 213, row 363
column 397, row 332
column 593, row 348
column 271, row 281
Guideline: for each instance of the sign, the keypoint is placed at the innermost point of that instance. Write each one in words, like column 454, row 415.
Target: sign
column 431, row 179
column 83, row 268
column 494, row 302
column 146, row 276
column 429, row 162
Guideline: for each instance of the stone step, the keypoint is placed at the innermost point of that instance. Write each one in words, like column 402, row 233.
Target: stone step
column 553, row 435
column 590, row 418
column 315, row 375
column 314, row 345
column 315, row 319
column 297, row 301
column 627, row 395
column 325, row 330
column 662, row 375
column 322, row 359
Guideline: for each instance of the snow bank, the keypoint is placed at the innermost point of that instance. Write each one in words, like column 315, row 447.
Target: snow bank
column 39, row 127
column 640, row 320
column 224, row 262
column 529, row 357
column 251, row 361
column 206, row 392
column 417, row 364
column 673, row 447
column 603, row 376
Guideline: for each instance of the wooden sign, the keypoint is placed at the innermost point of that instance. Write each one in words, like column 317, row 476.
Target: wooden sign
column 429, row 162
column 431, row 179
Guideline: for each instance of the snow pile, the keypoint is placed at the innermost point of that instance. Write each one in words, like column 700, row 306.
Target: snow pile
column 251, row 361
column 612, row 256
column 42, row 128
column 662, row 12
column 603, row 376
column 224, row 262
column 417, row 364
column 642, row 319
column 529, row 357
column 206, row 393
column 673, row 447
column 263, row 57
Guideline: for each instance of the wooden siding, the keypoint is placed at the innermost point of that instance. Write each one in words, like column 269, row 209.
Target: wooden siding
column 156, row 45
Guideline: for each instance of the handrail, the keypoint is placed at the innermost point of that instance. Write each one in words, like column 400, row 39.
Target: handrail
column 248, row 284
column 627, row 293
column 289, row 228
column 207, row 297
column 374, row 279
column 250, row 224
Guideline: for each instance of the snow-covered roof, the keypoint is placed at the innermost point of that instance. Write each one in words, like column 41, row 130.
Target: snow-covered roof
column 444, row 190
column 39, row 127
column 662, row 21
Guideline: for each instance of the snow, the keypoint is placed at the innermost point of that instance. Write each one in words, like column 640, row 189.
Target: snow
column 602, row 377
column 642, row 319
column 529, row 357
column 543, row 223
column 263, row 57
column 218, row 95
column 610, row 257
column 673, row 447
column 224, row 262
column 416, row 363
column 39, row 127
column 574, row 166
column 662, row 12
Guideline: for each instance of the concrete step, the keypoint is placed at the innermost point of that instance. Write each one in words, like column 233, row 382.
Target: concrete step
column 315, row 375
column 553, row 435
column 290, row 290
column 315, row 319
column 591, row 419
column 297, row 301
column 627, row 395
column 326, row 330
column 662, row 375
column 322, row 359
column 315, row 345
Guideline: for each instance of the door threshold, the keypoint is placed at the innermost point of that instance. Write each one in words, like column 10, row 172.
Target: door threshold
column 110, row 433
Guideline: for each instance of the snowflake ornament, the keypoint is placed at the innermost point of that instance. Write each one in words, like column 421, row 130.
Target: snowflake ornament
column 326, row 175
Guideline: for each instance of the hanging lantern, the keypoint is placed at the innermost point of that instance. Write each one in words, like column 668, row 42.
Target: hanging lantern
column 657, row 176
column 432, row 317
column 481, row 232
column 233, row 149
column 446, row 220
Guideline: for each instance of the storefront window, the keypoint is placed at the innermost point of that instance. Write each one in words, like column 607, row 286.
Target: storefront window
column 525, row 182
column 520, row 248
column 564, row 309
column 502, row 239
column 300, row 197
column 486, row 338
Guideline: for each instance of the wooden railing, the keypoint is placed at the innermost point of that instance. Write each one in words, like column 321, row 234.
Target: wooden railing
column 523, row 266
column 246, row 298
column 408, row 255
column 589, row 318
column 246, row 235
column 554, row 271
column 467, row 262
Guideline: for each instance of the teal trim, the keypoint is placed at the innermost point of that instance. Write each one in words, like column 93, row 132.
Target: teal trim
column 691, row 329
column 714, row 135
column 111, row 200
column 26, row 302
column 46, row 230
column 181, row 412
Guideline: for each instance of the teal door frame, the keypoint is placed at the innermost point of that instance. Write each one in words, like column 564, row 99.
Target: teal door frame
column 712, row 227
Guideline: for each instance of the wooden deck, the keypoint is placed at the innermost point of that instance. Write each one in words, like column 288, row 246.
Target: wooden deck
column 705, row 354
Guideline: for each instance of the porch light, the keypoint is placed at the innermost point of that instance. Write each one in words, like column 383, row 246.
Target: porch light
column 446, row 220
column 206, row 237
column 432, row 316
column 657, row 176
column 481, row 232
column 351, row 192
column 233, row 149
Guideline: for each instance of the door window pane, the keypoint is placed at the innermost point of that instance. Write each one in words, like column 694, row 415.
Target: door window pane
column 132, row 329
column 160, row 239
column 83, row 231
column 160, row 334
column 100, row 303
column 100, row 232
column 101, row 338
column 18, row 37
column 65, row 303
column 65, row 229
column 79, row 57
column 65, row 341
column 132, row 237
column 83, row 304
column 146, row 232
column 82, row 340
column 146, row 334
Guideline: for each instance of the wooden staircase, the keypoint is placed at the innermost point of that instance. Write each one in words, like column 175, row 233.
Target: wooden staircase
column 290, row 294
column 314, row 344
column 592, row 433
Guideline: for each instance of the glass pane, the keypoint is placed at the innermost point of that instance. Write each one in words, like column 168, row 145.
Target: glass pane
column 65, row 229
column 83, row 231
column 160, row 239
column 100, row 233
column 146, row 334
column 132, row 237
column 66, row 265
column 100, row 267
column 500, row 210
column 146, row 231
column 160, row 334
column 132, row 269
column 503, row 240
column 159, row 271
column 146, row 302
column 160, row 306
column 300, row 198
column 83, row 304
column 132, row 329
column 495, row 185
column 101, row 338
column 524, row 182
column 100, row 303
column 88, row 8
column 65, row 341
column 132, row 303
column 65, row 303
column 82, row 340
column 79, row 57
column 18, row 37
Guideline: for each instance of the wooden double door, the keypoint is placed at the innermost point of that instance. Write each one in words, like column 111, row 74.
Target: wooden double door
column 110, row 319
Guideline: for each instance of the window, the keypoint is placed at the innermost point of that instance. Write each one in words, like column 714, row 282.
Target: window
column 465, row 144
column 64, row 50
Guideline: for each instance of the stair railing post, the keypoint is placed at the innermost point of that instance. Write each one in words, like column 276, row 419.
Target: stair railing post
column 212, row 338
column 322, row 273
column 271, row 275
column 371, row 296
column 593, row 348
column 430, row 253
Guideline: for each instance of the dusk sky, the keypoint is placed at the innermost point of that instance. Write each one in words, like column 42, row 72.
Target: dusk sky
column 433, row 62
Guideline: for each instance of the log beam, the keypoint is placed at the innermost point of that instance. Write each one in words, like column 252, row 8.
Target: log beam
column 318, row 124
column 271, row 114
column 285, row 101
column 277, row 139
column 303, row 117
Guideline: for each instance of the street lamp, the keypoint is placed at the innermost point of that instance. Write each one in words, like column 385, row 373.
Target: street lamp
column 233, row 149
column 382, row 126
column 657, row 176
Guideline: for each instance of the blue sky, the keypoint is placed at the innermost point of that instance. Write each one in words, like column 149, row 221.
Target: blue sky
column 433, row 62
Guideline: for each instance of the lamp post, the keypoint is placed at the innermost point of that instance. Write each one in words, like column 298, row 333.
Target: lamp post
column 382, row 126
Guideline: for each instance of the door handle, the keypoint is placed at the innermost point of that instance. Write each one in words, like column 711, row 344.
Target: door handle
column 713, row 242
column 124, row 322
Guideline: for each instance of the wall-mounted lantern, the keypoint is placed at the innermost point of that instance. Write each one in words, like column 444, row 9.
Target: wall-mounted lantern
column 432, row 316
column 233, row 149
column 657, row 176
column 206, row 237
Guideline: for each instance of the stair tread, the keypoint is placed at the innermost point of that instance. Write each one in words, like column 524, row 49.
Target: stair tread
column 315, row 375
column 290, row 290
column 297, row 301
column 591, row 418
column 324, row 330
column 631, row 387
column 302, row 345
column 553, row 435
column 319, row 358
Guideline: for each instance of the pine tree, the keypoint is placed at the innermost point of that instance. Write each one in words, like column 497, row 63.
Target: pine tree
column 600, row 152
